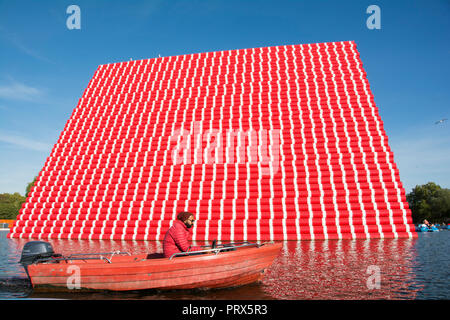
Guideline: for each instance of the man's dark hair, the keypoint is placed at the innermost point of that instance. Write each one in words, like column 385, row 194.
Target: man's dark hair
column 184, row 215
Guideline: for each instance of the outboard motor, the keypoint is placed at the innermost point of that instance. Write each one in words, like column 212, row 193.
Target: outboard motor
column 35, row 250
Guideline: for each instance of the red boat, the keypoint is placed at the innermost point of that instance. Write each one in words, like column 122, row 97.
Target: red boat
column 218, row 266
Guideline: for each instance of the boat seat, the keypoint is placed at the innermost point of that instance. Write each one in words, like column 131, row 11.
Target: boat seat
column 155, row 255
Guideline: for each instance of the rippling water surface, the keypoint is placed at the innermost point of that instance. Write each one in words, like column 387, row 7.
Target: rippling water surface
column 333, row 269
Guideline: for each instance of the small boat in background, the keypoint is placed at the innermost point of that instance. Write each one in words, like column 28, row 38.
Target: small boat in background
column 424, row 228
column 218, row 266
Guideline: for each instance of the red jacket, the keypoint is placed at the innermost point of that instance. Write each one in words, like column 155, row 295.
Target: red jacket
column 176, row 240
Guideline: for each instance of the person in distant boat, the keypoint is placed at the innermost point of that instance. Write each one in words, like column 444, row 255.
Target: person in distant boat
column 177, row 237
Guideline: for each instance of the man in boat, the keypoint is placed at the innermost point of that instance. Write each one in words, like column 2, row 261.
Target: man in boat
column 177, row 237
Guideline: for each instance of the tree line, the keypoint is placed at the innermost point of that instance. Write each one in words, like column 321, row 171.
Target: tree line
column 10, row 203
column 428, row 201
column 431, row 202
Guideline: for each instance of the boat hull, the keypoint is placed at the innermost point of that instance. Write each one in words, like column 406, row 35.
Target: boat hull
column 205, row 271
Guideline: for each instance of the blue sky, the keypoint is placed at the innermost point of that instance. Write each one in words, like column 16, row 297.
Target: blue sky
column 45, row 67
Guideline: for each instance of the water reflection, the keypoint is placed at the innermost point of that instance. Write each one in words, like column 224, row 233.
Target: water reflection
column 341, row 269
column 320, row 269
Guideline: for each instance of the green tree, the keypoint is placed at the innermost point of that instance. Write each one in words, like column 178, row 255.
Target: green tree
column 29, row 186
column 440, row 205
column 429, row 201
column 10, row 205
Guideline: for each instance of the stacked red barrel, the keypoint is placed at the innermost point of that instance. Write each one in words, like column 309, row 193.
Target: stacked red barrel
column 275, row 143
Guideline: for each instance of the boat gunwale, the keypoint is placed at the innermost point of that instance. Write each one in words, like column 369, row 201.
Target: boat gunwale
column 140, row 258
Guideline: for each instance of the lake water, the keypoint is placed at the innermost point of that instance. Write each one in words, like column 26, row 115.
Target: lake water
column 304, row 270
